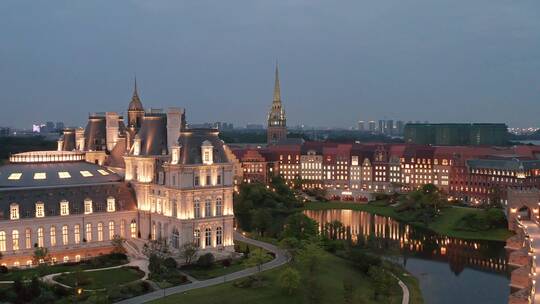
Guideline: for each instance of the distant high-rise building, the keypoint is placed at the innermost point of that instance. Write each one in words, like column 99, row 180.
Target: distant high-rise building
column 371, row 126
column 389, row 127
column 361, row 126
column 59, row 126
column 399, row 127
column 381, row 126
column 49, row 127
column 277, row 122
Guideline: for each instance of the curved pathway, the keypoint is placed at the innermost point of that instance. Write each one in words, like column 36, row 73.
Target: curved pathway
column 404, row 288
column 281, row 258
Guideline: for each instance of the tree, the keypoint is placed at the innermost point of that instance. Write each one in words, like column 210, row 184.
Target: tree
column 158, row 248
column 257, row 258
column 289, row 280
column 310, row 257
column 300, row 226
column 118, row 244
column 382, row 281
column 188, row 252
column 261, row 220
column 292, row 245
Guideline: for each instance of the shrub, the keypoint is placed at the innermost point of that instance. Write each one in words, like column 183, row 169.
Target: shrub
column 364, row 261
column 226, row 262
column 3, row 269
column 170, row 263
column 205, row 260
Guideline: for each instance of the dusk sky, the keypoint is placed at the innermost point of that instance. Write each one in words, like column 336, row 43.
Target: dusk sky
column 340, row 61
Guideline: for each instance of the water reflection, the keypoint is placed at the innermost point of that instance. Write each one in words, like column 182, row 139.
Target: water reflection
column 388, row 234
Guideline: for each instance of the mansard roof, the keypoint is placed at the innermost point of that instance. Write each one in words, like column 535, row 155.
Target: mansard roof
column 191, row 141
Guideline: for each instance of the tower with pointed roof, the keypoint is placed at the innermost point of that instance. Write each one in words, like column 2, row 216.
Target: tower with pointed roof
column 135, row 110
column 277, row 122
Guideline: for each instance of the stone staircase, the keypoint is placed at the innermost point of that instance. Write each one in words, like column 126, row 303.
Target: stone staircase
column 132, row 250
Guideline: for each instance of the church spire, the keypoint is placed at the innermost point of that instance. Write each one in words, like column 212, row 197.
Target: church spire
column 135, row 103
column 277, row 90
column 135, row 93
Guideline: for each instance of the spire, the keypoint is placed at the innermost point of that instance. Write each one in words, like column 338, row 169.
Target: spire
column 135, row 103
column 135, row 93
column 277, row 91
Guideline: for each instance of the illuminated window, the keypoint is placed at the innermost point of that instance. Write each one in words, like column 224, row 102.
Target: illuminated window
column 66, row 259
column 14, row 211
column 219, row 207
column 40, row 236
column 64, row 208
column 197, row 209
column 219, row 236
column 103, row 172
column 40, row 209
column 28, row 238
column 65, row 235
column 111, row 207
column 15, row 239
column 40, row 175
column 78, row 258
column 207, row 237
column 88, row 232
column 64, row 174
column 2, row 241
column 100, row 231
column 86, row 173
column 133, row 229
column 88, row 206
column 122, row 228
column 77, row 233
column 111, row 230
column 53, row 236
column 197, row 237
column 208, row 208
column 15, row 176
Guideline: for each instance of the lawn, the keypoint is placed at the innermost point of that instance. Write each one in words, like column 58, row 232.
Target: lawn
column 333, row 271
column 102, row 278
column 445, row 224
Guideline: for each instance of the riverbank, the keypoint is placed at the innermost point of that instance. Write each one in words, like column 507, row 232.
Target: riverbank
column 445, row 224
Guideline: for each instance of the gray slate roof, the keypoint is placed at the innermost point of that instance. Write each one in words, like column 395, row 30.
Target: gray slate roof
column 191, row 141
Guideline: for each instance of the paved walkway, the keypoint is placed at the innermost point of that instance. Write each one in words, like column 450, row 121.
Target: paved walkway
column 404, row 288
column 533, row 231
column 280, row 259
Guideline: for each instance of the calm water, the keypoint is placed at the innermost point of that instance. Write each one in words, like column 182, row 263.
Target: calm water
column 449, row 270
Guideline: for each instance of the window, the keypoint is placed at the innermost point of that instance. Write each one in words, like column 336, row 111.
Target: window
column 86, row 173
column 66, row 259
column 2, row 241
column 15, row 239
column 15, row 176
column 88, row 206
column 219, row 207
column 88, row 232
column 64, row 174
column 197, row 209
column 111, row 207
column 100, row 232
column 133, row 229
column 208, row 208
column 175, row 238
column 153, row 232
column 64, row 208
column 208, row 180
column 219, row 236
column 206, row 156
column 53, row 236
column 111, row 230
column 218, row 179
column 65, row 235
column 28, row 238
column 78, row 258
column 122, row 228
column 196, row 182
column 77, row 233
column 40, row 209
column 197, row 237
column 40, row 237
column 207, row 237
column 103, row 172
column 14, row 211
column 40, row 175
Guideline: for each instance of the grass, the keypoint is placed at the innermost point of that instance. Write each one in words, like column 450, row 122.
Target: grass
column 445, row 224
column 218, row 269
column 102, row 279
column 332, row 271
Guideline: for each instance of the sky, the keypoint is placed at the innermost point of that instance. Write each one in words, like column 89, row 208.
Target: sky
column 340, row 61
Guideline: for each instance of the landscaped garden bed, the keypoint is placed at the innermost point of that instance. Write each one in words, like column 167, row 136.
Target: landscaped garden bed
column 100, row 279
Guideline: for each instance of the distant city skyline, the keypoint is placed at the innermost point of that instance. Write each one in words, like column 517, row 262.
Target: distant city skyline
column 361, row 60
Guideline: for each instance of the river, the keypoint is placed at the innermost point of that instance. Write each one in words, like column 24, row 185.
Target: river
column 449, row 270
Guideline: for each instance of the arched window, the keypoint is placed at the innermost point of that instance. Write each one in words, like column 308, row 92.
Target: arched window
column 111, row 230
column 53, row 236
column 133, row 229
column 207, row 208
column 77, row 233
column 65, row 235
column 28, row 238
column 219, row 207
column 111, row 204
column 2, row 241
column 197, row 208
column 100, row 231
column 219, row 236
column 14, row 211
column 15, row 239
column 197, row 237
column 40, row 237
column 88, row 209
column 153, row 233
column 207, row 237
column 123, row 228
column 175, row 238
column 88, row 232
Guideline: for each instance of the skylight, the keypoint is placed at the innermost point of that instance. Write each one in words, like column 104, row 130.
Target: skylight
column 40, row 175
column 103, row 172
column 64, row 174
column 15, row 176
column 86, row 173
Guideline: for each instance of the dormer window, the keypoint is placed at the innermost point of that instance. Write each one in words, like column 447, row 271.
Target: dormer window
column 64, row 208
column 88, row 206
column 111, row 206
column 40, row 209
column 207, row 153
column 14, row 211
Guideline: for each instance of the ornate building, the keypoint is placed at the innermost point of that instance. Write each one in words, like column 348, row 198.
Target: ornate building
column 154, row 179
column 277, row 122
